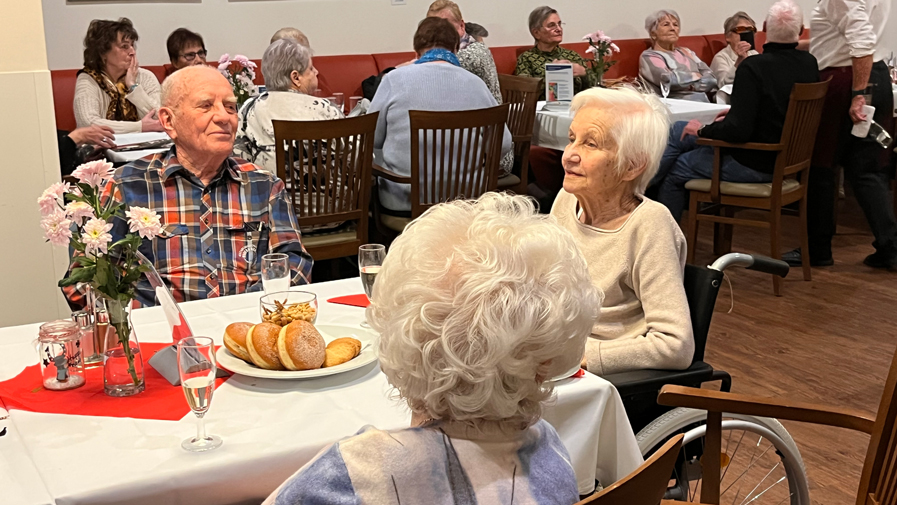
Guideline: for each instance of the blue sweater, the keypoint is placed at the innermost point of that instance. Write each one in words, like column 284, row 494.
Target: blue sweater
column 428, row 86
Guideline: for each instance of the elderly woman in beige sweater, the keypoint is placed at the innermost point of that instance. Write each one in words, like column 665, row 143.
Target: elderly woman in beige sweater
column 634, row 248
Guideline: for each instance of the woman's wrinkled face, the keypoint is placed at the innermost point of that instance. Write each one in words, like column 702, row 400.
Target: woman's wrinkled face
column 667, row 31
column 306, row 82
column 193, row 54
column 119, row 56
column 590, row 156
column 551, row 31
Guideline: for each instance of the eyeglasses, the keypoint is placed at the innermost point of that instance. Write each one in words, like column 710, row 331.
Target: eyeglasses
column 744, row 29
column 555, row 26
column 192, row 56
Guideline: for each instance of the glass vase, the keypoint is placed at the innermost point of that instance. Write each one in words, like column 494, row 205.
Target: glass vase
column 122, row 360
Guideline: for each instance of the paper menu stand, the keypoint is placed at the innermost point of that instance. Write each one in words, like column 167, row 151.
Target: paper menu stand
column 558, row 86
column 165, row 361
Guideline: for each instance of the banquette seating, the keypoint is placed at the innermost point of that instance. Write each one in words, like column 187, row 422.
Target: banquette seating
column 344, row 73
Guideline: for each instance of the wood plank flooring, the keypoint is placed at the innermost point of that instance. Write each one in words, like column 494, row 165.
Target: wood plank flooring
column 829, row 340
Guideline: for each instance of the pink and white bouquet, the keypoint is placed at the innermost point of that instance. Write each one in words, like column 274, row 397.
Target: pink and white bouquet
column 240, row 72
column 603, row 48
column 78, row 216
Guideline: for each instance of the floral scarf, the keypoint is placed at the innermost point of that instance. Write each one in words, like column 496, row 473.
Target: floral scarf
column 439, row 54
column 120, row 108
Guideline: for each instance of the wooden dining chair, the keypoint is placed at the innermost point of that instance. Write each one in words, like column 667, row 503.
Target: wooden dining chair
column 715, row 201
column 878, row 481
column 453, row 155
column 521, row 93
column 647, row 484
column 326, row 166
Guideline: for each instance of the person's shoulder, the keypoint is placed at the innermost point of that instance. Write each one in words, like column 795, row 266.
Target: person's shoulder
column 138, row 169
column 564, row 204
column 654, row 219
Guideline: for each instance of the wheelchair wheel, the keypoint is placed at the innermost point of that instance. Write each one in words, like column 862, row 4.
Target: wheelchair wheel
column 760, row 461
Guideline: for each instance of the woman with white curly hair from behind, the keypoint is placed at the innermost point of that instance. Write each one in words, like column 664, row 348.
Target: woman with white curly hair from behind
column 477, row 304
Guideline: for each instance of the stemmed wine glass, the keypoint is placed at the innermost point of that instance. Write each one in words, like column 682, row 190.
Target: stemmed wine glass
column 370, row 258
column 665, row 85
column 197, row 368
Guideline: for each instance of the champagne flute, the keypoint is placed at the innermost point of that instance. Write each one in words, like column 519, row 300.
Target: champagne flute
column 370, row 259
column 665, row 85
column 275, row 273
column 197, row 369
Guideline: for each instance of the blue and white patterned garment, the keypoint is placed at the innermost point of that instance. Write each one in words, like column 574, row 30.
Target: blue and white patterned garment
column 437, row 464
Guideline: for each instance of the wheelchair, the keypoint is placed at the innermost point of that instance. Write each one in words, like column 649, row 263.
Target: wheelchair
column 760, row 462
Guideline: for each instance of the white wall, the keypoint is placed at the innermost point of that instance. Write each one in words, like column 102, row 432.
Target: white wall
column 360, row 26
column 31, row 267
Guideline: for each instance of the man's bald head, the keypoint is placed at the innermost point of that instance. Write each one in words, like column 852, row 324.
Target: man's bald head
column 178, row 84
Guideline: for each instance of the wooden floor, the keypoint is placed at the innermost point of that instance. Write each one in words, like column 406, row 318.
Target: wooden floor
column 829, row 340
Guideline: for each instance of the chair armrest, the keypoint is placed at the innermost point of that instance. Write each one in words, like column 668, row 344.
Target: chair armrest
column 715, row 401
column 390, row 175
column 755, row 146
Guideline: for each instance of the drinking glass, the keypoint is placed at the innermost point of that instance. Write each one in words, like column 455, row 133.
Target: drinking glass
column 370, row 258
column 665, row 85
column 338, row 100
column 275, row 273
column 197, row 369
column 353, row 102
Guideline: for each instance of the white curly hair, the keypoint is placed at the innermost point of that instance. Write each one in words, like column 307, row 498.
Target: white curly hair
column 477, row 303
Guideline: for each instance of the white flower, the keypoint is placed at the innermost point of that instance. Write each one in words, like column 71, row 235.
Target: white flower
column 96, row 236
column 144, row 221
column 52, row 197
column 614, row 47
column 57, row 228
column 590, row 49
column 77, row 211
column 224, row 58
column 94, row 172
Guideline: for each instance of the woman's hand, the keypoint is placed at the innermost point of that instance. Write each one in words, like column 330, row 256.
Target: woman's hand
column 691, row 129
column 131, row 74
column 150, row 122
column 97, row 135
column 741, row 49
column 578, row 70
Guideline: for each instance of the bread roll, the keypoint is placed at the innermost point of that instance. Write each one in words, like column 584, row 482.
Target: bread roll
column 341, row 350
column 261, row 342
column 235, row 340
column 300, row 346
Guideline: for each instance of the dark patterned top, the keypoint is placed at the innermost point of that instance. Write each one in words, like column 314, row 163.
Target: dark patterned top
column 532, row 64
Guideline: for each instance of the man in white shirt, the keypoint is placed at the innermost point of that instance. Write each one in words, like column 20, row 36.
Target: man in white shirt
column 845, row 38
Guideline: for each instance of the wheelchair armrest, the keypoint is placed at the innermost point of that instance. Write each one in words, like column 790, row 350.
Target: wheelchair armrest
column 646, row 381
column 715, row 401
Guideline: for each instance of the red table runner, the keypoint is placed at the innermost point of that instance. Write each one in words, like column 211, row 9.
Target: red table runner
column 160, row 400
column 353, row 300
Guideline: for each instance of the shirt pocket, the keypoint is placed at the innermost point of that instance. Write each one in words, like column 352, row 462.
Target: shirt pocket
column 248, row 242
column 170, row 249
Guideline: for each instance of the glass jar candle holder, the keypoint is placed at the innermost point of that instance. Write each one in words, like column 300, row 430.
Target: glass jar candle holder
column 59, row 350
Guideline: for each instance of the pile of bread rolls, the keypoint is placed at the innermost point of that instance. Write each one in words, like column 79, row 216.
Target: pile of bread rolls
column 296, row 346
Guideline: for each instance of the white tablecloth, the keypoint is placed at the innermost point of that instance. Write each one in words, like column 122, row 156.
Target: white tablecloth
column 122, row 139
column 270, row 427
column 551, row 127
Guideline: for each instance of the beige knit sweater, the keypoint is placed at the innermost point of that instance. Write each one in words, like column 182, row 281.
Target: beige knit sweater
column 91, row 102
column 644, row 321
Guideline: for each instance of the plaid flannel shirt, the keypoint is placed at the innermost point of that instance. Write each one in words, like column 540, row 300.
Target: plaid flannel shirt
column 213, row 237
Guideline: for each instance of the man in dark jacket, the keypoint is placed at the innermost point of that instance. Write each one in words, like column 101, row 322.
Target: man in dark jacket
column 760, row 97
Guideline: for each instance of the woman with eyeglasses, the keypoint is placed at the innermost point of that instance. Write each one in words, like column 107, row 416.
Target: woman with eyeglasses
column 112, row 90
column 548, row 31
column 185, row 49
column 667, row 64
column 739, row 30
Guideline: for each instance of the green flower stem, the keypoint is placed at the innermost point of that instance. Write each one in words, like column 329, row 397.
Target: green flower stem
column 119, row 318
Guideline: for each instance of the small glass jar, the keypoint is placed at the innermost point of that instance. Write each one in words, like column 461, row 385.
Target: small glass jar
column 59, row 349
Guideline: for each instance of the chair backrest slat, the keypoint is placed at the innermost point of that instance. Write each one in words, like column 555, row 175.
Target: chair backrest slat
column 522, row 95
column 799, row 132
column 327, row 167
column 454, row 154
column 878, row 482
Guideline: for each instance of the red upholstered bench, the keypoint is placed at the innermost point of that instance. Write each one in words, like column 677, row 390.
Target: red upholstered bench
column 386, row 60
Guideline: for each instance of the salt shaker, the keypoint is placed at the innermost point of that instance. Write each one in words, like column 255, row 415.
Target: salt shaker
column 59, row 349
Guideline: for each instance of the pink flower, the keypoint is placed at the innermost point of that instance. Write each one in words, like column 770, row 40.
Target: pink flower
column 225, row 58
column 77, row 211
column 57, row 228
column 94, row 172
column 590, row 49
column 242, row 60
column 96, row 236
column 144, row 221
column 223, row 67
column 52, row 197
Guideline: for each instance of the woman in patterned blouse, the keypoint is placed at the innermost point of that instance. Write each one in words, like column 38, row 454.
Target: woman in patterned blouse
column 689, row 78
column 548, row 31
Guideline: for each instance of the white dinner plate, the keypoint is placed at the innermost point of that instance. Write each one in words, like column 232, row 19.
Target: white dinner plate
column 565, row 375
column 330, row 332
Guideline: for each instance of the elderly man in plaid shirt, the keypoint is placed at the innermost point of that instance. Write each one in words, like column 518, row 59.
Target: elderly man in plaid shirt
column 220, row 214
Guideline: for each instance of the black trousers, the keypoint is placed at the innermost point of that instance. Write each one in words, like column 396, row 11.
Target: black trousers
column 865, row 164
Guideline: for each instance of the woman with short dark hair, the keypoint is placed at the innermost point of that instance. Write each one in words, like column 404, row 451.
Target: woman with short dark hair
column 186, row 48
column 112, row 90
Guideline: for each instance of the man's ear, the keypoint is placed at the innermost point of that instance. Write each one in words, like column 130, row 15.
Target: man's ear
column 166, row 118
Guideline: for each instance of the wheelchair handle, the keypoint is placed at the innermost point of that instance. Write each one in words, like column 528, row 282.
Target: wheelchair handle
column 757, row 262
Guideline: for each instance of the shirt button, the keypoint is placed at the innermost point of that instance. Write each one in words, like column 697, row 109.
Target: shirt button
column 206, row 220
column 213, row 275
column 209, row 251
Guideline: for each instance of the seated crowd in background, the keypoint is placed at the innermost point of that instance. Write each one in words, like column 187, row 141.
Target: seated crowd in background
column 667, row 64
